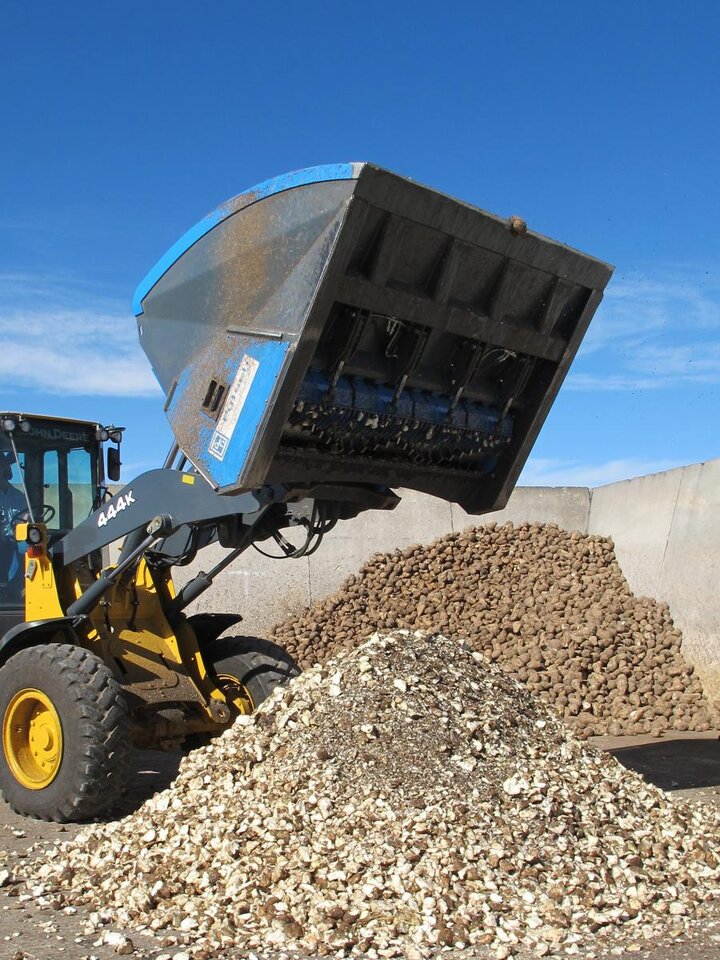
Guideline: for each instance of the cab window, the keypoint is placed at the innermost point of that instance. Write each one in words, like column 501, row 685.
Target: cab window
column 68, row 487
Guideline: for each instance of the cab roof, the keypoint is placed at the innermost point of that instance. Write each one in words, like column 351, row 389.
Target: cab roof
column 17, row 415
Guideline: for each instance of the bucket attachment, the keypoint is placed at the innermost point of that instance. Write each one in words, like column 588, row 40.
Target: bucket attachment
column 343, row 325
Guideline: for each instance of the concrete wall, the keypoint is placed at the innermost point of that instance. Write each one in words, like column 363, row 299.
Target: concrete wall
column 666, row 529
column 265, row 591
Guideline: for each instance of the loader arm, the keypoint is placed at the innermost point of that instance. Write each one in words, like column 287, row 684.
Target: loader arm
column 179, row 498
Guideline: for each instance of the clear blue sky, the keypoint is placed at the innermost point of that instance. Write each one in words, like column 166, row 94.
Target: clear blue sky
column 597, row 122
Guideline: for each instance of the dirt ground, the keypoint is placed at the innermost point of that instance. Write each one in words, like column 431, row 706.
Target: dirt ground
column 685, row 764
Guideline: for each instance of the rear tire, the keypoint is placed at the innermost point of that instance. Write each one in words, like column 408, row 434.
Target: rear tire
column 66, row 734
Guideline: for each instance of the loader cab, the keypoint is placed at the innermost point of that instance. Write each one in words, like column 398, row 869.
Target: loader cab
column 51, row 471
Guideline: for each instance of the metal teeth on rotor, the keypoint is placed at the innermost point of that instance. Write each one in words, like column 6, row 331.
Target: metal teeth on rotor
column 373, row 433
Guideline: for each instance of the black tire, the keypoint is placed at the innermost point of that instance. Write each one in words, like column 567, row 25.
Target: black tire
column 96, row 733
column 259, row 665
column 256, row 665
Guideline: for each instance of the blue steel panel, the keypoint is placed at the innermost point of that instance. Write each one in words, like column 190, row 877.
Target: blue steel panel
column 286, row 181
column 269, row 356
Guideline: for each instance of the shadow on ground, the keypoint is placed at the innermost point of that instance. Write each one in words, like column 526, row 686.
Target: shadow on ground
column 678, row 764
column 151, row 771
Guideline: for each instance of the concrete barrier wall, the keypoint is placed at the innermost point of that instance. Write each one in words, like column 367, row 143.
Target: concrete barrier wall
column 666, row 529
column 265, row 591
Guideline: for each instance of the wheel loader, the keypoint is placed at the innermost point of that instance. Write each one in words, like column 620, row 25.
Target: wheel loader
column 323, row 340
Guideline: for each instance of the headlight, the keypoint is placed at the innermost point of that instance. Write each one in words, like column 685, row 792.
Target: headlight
column 34, row 535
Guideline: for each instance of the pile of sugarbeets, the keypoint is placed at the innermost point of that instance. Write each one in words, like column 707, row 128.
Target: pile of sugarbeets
column 551, row 607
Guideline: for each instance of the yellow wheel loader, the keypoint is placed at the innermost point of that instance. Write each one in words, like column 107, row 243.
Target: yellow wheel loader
column 322, row 340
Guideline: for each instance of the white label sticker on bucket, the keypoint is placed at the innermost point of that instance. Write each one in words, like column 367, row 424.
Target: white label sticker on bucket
column 235, row 401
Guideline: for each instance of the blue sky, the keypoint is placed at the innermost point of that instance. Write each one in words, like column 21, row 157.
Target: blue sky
column 597, row 122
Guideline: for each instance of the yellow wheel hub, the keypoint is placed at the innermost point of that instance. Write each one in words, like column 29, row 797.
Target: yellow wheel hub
column 236, row 694
column 32, row 739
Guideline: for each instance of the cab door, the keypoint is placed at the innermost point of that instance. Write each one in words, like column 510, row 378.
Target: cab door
column 12, row 602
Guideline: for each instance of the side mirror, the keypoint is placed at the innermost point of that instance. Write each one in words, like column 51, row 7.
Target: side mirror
column 113, row 463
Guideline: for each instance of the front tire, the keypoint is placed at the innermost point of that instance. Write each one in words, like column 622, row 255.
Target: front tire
column 247, row 670
column 66, row 735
